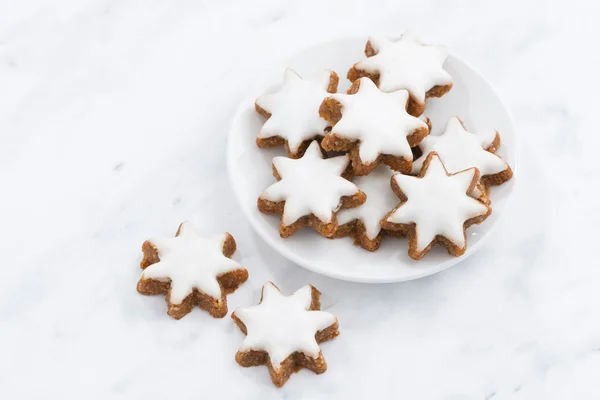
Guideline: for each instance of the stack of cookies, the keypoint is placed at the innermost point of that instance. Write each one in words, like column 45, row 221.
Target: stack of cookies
column 363, row 164
column 359, row 164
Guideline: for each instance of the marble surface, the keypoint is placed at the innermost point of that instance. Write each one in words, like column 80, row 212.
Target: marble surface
column 113, row 124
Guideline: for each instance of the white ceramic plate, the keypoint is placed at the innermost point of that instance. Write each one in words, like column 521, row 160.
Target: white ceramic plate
column 472, row 99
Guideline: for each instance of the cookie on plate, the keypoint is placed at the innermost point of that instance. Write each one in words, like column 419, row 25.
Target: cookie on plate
column 373, row 126
column 436, row 207
column 363, row 222
column 284, row 332
column 460, row 149
column 191, row 270
column 405, row 64
column 292, row 112
column 309, row 192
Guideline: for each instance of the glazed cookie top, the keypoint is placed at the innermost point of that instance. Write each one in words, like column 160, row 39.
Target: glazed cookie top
column 460, row 149
column 378, row 120
column 437, row 203
column 380, row 199
column 190, row 261
column 407, row 64
column 294, row 109
column 310, row 185
column 282, row 325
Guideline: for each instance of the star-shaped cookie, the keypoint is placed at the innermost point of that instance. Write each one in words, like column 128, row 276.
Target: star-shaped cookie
column 374, row 126
column 460, row 149
column 436, row 208
column 191, row 270
column 292, row 112
column 284, row 332
column 405, row 64
column 363, row 222
column 309, row 192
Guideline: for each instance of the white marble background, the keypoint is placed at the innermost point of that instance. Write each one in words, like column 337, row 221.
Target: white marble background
column 113, row 123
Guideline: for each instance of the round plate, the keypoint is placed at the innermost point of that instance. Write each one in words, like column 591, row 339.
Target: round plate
column 472, row 99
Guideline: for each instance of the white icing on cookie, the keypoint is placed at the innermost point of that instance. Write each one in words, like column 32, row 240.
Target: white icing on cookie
column 438, row 204
column 460, row 150
column 282, row 325
column 310, row 185
column 190, row 261
column 380, row 200
column 476, row 193
column 407, row 64
column 378, row 120
column 294, row 109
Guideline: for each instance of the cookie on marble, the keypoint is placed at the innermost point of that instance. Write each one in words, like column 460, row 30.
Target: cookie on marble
column 309, row 192
column 373, row 126
column 460, row 149
column 191, row 270
column 292, row 112
column 405, row 64
column 284, row 332
column 436, row 208
column 363, row 222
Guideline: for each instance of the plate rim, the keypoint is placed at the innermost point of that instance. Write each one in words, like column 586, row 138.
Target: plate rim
column 298, row 259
